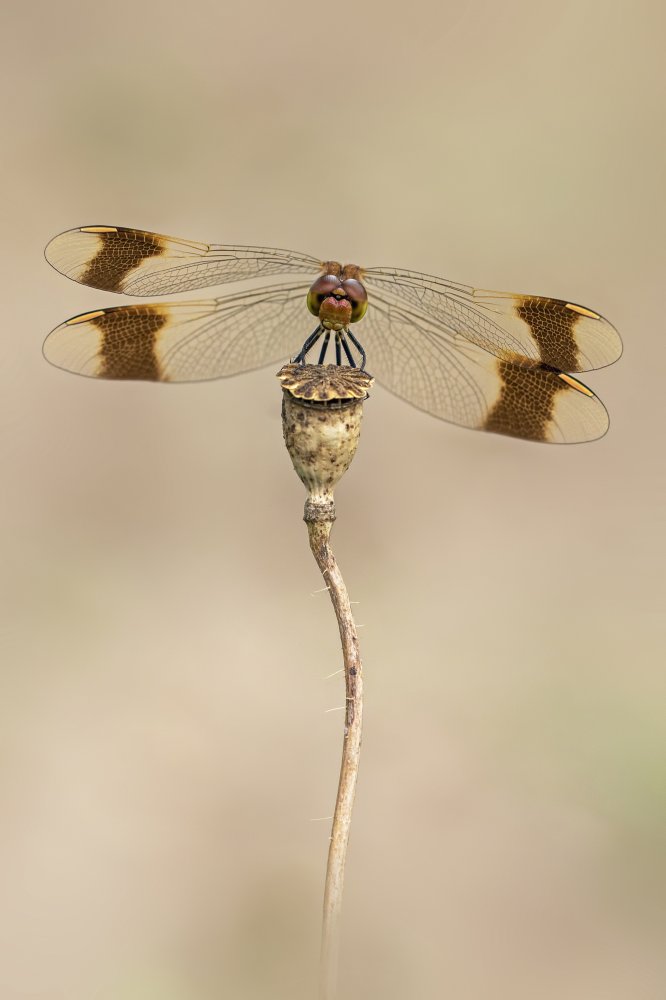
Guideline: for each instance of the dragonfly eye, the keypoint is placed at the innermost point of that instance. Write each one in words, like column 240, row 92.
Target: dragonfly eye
column 324, row 286
column 357, row 295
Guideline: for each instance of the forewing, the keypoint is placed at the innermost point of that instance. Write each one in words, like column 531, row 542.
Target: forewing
column 184, row 341
column 454, row 379
column 511, row 326
column 140, row 263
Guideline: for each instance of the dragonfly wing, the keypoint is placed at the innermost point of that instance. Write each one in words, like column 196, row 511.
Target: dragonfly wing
column 184, row 341
column 511, row 326
column 452, row 378
column 140, row 263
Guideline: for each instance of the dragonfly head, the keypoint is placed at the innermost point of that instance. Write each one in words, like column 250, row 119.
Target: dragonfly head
column 338, row 297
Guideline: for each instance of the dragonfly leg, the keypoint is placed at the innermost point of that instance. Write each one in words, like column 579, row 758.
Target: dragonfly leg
column 310, row 342
column 324, row 346
column 338, row 355
column 345, row 347
column 358, row 348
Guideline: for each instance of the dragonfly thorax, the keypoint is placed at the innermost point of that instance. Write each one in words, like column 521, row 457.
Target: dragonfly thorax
column 338, row 297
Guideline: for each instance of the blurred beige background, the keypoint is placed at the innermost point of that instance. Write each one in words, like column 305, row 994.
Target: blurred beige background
column 165, row 740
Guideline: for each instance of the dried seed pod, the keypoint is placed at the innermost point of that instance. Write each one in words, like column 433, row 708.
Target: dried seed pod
column 322, row 406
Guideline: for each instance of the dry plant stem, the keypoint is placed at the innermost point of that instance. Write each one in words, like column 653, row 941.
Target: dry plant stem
column 319, row 529
column 322, row 407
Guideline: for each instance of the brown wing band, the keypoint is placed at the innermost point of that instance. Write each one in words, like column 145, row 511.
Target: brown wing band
column 520, row 413
column 119, row 253
column 127, row 343
column 553, row 328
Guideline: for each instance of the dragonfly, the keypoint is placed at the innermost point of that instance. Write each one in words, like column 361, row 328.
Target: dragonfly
column 488, row 360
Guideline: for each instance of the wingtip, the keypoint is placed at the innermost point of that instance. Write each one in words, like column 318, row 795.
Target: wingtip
column 68, row 252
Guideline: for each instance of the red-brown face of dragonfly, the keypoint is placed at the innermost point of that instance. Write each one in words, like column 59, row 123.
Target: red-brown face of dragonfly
column 336, row 300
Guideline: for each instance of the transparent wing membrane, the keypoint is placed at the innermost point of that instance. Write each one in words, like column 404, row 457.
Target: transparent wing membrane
column 141, row 263
column 558, row 333
column 453, row 379
column 184, row 341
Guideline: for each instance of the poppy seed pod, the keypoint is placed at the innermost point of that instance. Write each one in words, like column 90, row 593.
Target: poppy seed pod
column 322, row 406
